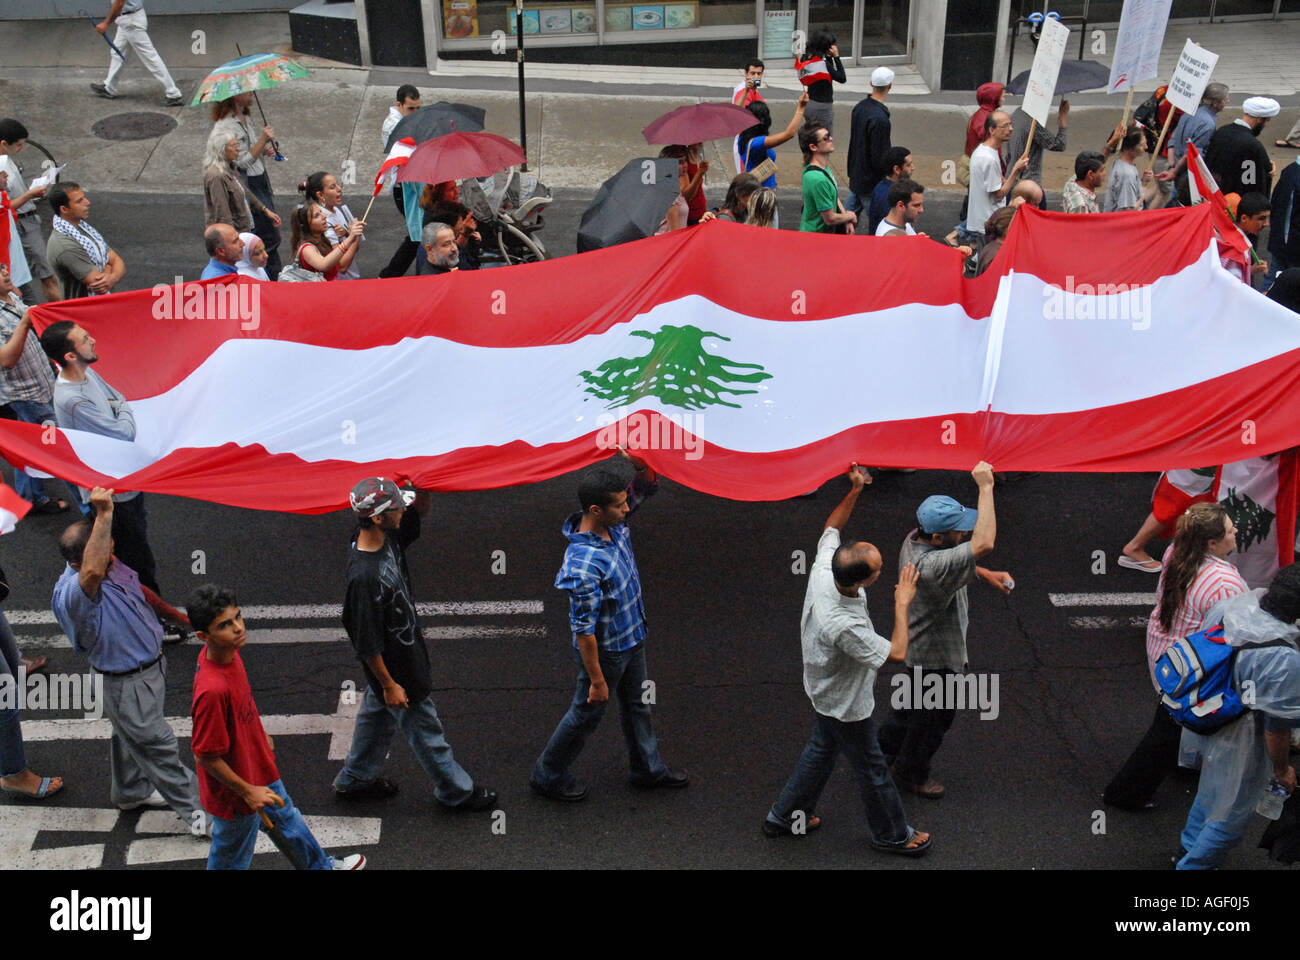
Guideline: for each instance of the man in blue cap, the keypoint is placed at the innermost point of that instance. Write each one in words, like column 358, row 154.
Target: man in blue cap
column 937, row 620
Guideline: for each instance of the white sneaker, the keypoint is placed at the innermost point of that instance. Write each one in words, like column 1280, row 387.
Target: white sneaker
column 355, row 862
column 155, row 800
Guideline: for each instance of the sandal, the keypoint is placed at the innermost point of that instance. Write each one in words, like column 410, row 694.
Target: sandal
column 50, row 506
column 377, row 789
column 42, row 792
column 1150, row 565
column 35, row 664
column 915, row 844
column 1291, row 144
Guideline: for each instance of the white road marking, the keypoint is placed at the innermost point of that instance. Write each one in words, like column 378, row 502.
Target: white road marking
column 338, row 725
column 326, row 611
column 333, row 833
column 1103, row 599
column 19, row 826
column 57, row 641
column 1106, row 623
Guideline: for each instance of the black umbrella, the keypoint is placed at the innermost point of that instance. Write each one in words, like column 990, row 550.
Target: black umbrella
column 1074, row 75
column 630, row 205
column 435, row 120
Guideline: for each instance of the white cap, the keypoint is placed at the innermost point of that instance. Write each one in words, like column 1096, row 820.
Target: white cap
column 882, row 77
column 1261, row 107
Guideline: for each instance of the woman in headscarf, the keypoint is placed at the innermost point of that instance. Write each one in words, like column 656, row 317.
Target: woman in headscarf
column 253, row 262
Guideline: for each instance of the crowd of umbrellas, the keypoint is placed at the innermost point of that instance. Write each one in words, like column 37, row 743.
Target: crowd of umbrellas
column 450, row 143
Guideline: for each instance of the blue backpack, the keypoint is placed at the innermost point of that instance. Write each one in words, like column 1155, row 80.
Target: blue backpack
column 1195, row 678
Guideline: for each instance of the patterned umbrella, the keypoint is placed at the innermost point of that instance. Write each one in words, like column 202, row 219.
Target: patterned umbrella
column 259, row 71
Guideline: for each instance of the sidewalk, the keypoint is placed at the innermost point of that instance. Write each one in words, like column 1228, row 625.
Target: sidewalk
column 578, row 132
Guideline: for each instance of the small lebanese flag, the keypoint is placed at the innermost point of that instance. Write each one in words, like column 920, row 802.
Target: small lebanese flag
column 397, row 157
column 1202, row 186
column 12, row 508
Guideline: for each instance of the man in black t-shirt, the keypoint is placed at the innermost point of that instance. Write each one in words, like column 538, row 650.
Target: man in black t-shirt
column 380, row 617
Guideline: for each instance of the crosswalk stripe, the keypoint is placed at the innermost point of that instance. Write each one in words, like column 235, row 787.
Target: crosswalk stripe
column 325, row 611
column 1102, row 599
column 59, row 641
column 1106, row 623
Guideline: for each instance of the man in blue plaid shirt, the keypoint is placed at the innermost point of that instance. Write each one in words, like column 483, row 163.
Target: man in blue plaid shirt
column 608, row 622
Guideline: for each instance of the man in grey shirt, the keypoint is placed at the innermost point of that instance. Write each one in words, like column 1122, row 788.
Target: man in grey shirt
column 83, row 401
column 938, row 620
column 1020, row 125
column 841, row 653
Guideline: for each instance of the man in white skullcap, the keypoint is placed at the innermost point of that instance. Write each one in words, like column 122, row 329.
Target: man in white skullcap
column 869, row 142
column 1234, row 154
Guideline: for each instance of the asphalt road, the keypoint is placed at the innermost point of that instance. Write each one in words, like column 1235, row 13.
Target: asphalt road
column 723, row 606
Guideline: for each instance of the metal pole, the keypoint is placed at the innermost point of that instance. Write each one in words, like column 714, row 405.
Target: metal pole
column 519, row 57
column 257, row 100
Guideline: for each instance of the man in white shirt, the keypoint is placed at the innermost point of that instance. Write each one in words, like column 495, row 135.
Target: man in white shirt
column 906, row 204
column 133, row 33
column 408, row 101
column 989, row 186
column 841, row 653
column 22, row 198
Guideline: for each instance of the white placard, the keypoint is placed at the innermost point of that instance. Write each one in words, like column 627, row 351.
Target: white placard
column 1195, row 64
column 1137, row 47
column 1047, row 65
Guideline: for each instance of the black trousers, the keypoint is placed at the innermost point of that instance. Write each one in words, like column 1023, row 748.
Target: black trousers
column 131, row 541
column 914, row 736
column 1152, row 760
column 260, row 187
column 404, row 255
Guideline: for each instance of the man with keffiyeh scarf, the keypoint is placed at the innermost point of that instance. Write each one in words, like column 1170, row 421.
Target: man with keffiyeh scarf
column 82, row 259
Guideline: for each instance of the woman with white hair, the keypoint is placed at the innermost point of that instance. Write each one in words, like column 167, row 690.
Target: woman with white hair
column 224, row 197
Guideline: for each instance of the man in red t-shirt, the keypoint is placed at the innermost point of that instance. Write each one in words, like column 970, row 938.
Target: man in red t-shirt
column 238, row 779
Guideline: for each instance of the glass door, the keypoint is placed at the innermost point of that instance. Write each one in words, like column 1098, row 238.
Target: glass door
column 884, row 28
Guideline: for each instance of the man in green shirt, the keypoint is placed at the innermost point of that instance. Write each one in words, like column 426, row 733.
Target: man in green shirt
column 822, row 212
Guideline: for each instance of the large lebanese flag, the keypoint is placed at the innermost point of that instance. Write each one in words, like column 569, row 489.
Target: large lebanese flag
column 782, row 356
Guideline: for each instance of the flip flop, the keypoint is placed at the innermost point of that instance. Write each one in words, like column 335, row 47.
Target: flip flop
column 904, row 848
column 1289, row 144
column 1146, row 566
column 40, row 794
column 35, row 664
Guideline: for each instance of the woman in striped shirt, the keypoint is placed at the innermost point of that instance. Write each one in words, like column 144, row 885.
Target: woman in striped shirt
column 1194, row 579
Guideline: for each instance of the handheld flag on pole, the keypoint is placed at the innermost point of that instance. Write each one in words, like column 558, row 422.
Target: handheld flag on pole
column 1203, row 187
column 397, row 157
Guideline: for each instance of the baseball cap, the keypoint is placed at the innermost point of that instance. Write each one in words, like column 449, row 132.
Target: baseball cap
column 1261, row 107
column 941, row 514
column 373, row 495
column 882, row 77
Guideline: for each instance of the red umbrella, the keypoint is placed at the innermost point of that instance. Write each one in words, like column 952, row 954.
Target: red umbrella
column 698, row 122
column 455, row 156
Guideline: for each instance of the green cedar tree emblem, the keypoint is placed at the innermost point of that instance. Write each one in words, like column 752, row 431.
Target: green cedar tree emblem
column 1253, row 522
column 678, row 370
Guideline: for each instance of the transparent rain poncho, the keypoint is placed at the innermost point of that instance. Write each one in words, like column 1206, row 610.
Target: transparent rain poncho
column 1234, row 761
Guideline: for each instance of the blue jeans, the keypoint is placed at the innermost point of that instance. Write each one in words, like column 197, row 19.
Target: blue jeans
column 13, row 759
column 31, row 411
column 233, row 840
column 625, row 675
column 857, row 740
column 419, row 723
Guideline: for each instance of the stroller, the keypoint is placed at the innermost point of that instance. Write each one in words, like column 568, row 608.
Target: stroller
column 508, row 207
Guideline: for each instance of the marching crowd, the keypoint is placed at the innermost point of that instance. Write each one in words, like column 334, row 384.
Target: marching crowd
column 109, row 602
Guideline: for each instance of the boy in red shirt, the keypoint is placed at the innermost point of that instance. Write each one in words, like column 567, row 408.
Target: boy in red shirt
column 238, row 778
